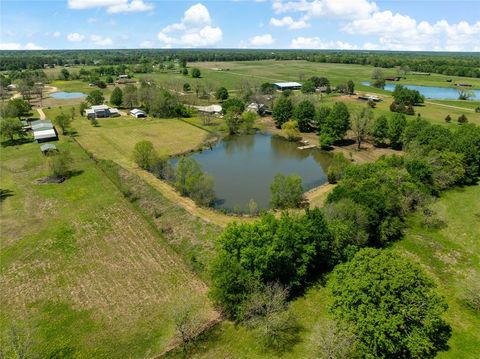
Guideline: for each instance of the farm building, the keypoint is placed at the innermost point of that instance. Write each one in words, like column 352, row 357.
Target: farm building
column 41, row 125
column 11, row 87
column 282, row 86
column 138, row 113
column 120, row 77
column 45, row 135
column 48, row 147
column 212, row 109
column 259, row 108
column 101, row 111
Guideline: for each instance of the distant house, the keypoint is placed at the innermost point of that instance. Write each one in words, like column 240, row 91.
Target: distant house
column 11, row 87
column 212, row 109
column 138, row 113
column 393, row 78
column 43, row 131
column 464, row 85
column 120, row 77
column 282, row 86
column 48, row 147
column 259, row 108
column 101, row 111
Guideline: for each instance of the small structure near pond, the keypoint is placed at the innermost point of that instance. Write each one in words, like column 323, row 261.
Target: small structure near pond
column 138, row 113
column 258, row 108
column 212, row 109
column 101, row 111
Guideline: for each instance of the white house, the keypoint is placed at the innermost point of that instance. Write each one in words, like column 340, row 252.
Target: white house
column 138, row 113
column 282, row 86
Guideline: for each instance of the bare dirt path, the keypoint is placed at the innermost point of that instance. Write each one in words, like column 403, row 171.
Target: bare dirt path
column 41, row 113
column 450, row 106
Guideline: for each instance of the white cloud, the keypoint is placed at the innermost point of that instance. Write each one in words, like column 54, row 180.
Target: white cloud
column 401, row 32
column 194, row 30
column 289, row 22
column 113, row 6
column 101, row 41
column 17, row 46
column 75, row 37
column 262, row 40
column 315, row 43
column 56, row 34
column 342, row 9
column 147, row 44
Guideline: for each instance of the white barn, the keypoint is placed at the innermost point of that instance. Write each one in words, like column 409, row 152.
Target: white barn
column 138, row 113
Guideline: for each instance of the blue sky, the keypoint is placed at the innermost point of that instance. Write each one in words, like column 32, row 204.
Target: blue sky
column 314, row 24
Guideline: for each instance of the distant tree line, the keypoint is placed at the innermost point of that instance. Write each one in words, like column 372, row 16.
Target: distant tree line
column 452, row 64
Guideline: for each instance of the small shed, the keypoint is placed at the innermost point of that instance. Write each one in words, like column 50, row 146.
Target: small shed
column 48, row 147
column 138, row 113
column 282, row 86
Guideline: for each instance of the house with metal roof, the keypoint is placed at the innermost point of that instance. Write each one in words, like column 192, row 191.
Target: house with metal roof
column 101, row 111
column 41, row 125
column 45, row 135
column 212, row 109
column 282, row 86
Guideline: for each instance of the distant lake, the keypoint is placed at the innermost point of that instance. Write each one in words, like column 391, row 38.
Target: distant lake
column 67, row 95
column 244, row 166
column 433, row 92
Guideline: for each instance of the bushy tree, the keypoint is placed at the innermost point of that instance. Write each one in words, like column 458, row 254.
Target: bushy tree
column 396, row 126
column 304, row 113
column 380, row 130
column 288, row 250
column 11, row 127
column 186, row 87
column 319, row 81
column 462, row 119
column 337, row 167
column 221, row 94
column 321, row 116
column 286, row 191
column 350, row 87
column 248, row 121
column 63, row 121
column 191, row 181
column 130, row 96
column 235, row 103
column 405, row 96
column 336, row 125
column 144, row 154
column 233, row 120
column 267, row 88
column 361, row 125
column 308, row 87
column 116, row 98
column 95, row 97
column 196, row 73
column 282, row 111
column 59, row 164
column 16, row 108
column 448, row 119
column 291, row 130
column 391, row 305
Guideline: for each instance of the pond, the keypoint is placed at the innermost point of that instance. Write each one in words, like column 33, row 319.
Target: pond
column 66, row 95
column 433, row 92
column 244, row 166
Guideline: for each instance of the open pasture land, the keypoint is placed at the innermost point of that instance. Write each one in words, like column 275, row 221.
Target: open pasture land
column 451, row 256
column 82, row 273
column 115, row 137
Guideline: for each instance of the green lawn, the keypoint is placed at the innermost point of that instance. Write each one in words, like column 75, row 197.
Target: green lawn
column 451, row 255
column 81, row 271
column 115, row 137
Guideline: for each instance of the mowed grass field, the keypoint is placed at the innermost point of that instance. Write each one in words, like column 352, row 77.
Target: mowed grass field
column 450, row 255
column 82, row 273
column 115, row 138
